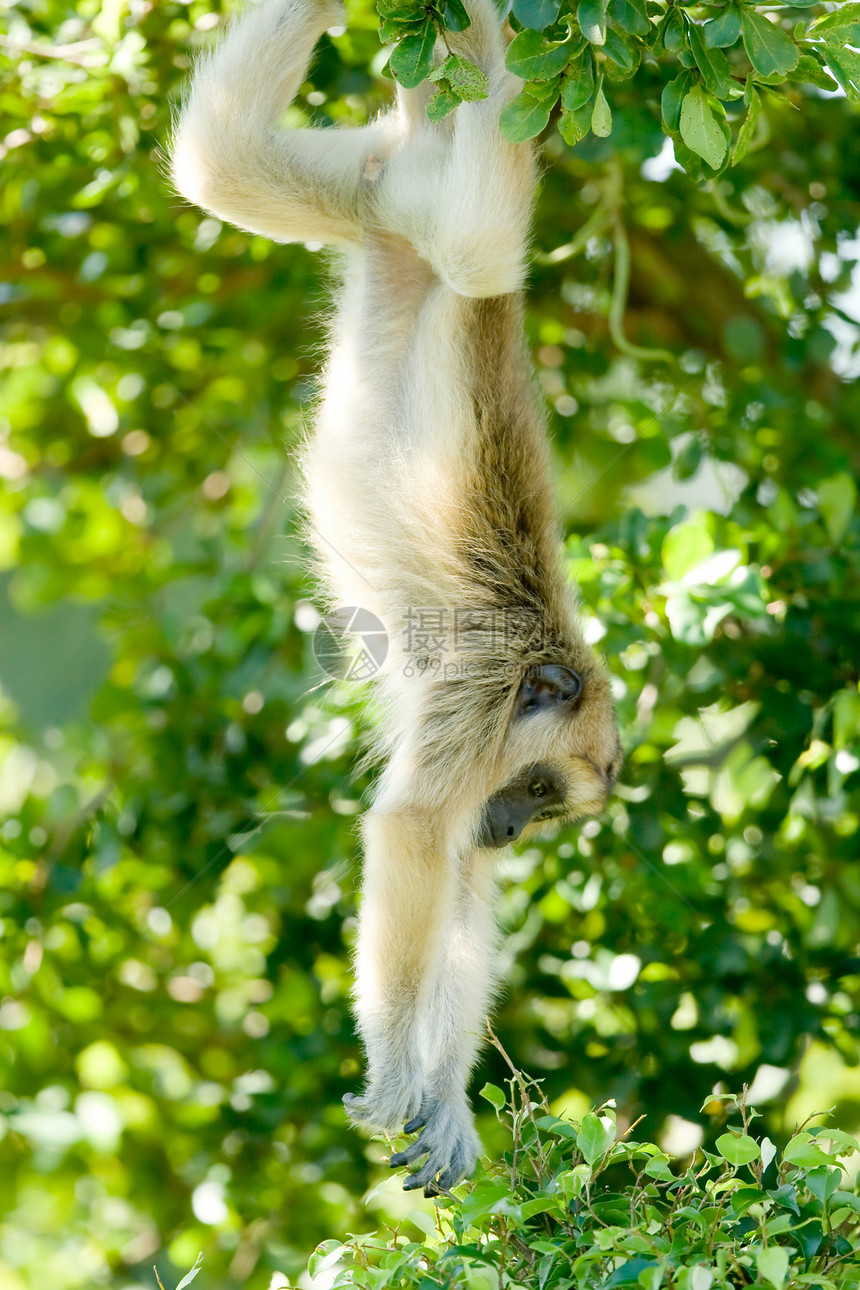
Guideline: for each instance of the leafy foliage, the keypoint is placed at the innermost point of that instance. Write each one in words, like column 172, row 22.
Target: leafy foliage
column 177, row 849
column 715, row 55
column 584, row 1204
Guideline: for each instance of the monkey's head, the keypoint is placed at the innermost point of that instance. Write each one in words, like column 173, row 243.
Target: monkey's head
column 561, row 756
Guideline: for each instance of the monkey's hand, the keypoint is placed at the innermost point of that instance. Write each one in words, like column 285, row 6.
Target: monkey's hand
column 386, row 1102
column 449, row 1141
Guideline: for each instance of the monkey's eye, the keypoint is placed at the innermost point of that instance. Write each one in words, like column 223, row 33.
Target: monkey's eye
column 538, row 788
column 544, row 815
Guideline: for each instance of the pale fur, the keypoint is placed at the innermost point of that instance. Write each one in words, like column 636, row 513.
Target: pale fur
column 409, row 475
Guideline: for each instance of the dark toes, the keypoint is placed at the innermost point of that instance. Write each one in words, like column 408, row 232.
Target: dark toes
column 397, row 1159
column 413, row 1183
column 415, row 1124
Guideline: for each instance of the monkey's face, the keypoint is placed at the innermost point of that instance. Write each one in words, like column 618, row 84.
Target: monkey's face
column 561, row 756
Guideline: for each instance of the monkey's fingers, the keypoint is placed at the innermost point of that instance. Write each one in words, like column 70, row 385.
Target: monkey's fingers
column 412, row 1153
column 356, row 1107
column 425, row 1177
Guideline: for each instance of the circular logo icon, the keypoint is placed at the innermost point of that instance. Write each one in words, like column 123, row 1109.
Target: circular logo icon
column 351, row 644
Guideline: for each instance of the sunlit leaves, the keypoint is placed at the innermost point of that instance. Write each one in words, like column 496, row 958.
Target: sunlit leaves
column 747, row 132
column 770, row 50
column 528, row 113
column 535, row 58
column 738, row 1149
column 412, row 60
column 536, row 14
column 601, row 116
column 591, row 16
column 731, row 47
column 701, row 129
column 724, row 29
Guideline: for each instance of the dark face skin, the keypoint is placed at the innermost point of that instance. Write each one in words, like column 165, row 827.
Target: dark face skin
column 538, row 792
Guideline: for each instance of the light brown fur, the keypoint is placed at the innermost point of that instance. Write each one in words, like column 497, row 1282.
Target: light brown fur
column 428, row 488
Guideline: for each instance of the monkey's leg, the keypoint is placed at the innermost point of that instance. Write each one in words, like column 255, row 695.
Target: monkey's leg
column 231, row 157
column 409, row 885
column 470, row 216
column 453, row 1020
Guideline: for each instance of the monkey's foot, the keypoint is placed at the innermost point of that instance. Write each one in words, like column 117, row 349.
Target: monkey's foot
column 449, row 1141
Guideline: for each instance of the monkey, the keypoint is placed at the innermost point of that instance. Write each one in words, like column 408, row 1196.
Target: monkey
column 428, row 492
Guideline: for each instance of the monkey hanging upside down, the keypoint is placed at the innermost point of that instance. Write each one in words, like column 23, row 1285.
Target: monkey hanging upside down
column 429, row 499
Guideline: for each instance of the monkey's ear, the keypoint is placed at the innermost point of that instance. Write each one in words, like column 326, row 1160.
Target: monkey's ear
column 546, row 686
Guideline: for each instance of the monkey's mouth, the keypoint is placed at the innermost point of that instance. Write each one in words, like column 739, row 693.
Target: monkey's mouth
column 495, row 833
column 503, row 821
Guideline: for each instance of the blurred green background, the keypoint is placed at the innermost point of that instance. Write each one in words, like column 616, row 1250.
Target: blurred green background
column 178, row 853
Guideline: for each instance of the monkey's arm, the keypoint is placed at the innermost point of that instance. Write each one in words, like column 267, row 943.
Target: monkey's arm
column 231, row 157
column 407, row 890
column 425, row 958
column 454, row 1015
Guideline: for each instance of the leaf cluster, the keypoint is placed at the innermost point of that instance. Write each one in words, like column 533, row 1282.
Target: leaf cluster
column 714, row 65
column 577, row 1204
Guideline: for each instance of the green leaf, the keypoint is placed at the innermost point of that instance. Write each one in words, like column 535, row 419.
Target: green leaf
column 786, row 1197
column 772, row 1265
column 838, row 1137
column 596, row 1135
column 700, row 129
column 412, row 61
column 624, row 59
column 845, row 66
column 724, row 30
column 534, row 58
column 803, row 1152
column 630, row 16
column 464, row 77
column 810, row 71
column 189, row 1276
column 393, row 29
column 685, row 546
column 839, row 27
column 712, row 63
column 601, row 116
column 744, row 1198
column 325, row 1254
column 738, row 1149
column 769, row 49
column 484, row 1199
column 671, row 100
column 837, row 500
column 442, row 103
column 823, row 1182
column 577, row 85
column 554, row 1125
column 575, row 125
column 494, row 1095
column 525, row 116
column 536, row 14
column 672, row 34
column 400, row 12
column 746, row 134
column 591, row 16
column 454, row 15
column 658, row 1167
